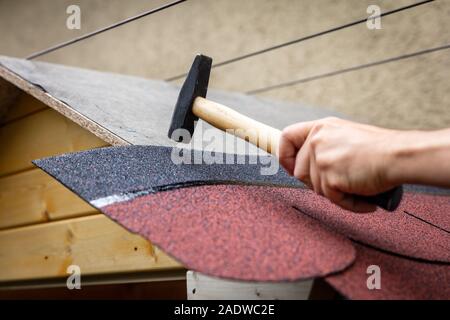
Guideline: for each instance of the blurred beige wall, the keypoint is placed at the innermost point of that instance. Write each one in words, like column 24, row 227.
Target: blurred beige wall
column 413, row 93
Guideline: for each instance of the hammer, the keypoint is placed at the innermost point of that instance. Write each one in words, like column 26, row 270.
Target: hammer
column 192, row 105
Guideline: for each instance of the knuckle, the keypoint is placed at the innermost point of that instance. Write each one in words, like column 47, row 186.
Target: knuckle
column 317, row 127
column 322, row 126
column 285, row 133
column 334, row 184
column 323, row 162
column 316, row 140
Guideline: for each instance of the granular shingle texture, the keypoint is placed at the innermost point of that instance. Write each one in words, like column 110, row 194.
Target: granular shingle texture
column 401, row 278
column 117, row 170
column 397, row 231
column 238, row 232
column 433, row 209
column 242, row 231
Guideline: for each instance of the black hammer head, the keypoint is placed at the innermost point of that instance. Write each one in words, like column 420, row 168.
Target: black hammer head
column 195, row 85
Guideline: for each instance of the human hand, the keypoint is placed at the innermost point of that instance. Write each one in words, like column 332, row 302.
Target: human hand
column 339, row 158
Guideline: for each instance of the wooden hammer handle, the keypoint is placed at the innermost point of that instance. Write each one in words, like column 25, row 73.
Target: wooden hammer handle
column 226, row 119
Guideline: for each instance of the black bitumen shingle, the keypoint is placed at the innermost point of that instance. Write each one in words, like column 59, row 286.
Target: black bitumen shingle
column 104, row 172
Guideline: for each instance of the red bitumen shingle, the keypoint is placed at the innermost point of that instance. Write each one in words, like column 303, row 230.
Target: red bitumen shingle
column 238, row 232
column 433, row 209
column 253, row 233
column 400, row 278
column 396, row 232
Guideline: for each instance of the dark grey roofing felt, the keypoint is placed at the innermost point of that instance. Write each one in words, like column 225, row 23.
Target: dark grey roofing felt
column 111, row 171
column 135, row 170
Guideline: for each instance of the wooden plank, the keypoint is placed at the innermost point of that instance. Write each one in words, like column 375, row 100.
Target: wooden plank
column 24, row 105
column 33, row 197
column 40, row 135
column 96, row 244
column 203, row 287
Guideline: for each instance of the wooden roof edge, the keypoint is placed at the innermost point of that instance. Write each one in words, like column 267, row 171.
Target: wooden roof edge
column 8, row 95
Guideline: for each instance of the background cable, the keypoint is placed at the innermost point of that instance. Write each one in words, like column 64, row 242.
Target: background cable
column 96, row 32
column 350, row 69
column 314, row 35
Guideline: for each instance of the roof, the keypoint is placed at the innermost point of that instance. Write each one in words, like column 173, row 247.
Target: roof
column 124, row 109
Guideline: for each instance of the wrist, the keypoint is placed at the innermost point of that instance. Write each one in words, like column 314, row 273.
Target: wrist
column 419, row 157
column 403, row 151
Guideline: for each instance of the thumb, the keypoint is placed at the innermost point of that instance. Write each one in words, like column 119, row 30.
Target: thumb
column 291, row 140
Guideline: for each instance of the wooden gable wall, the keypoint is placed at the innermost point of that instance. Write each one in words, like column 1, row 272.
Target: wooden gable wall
column 44, row 227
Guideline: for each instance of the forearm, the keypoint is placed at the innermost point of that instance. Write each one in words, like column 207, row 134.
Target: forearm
column 420, row 157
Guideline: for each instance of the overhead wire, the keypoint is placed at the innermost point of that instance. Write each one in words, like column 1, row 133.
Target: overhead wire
column 101, row 30
column 265, row 50
column 349, row 69
column 305, row 38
